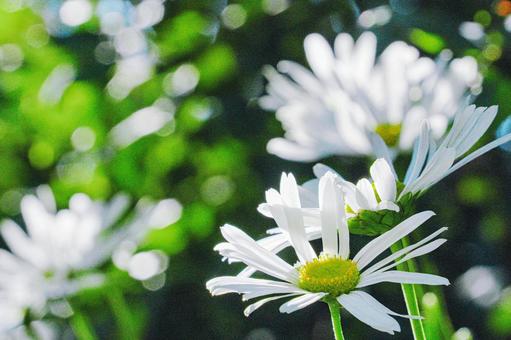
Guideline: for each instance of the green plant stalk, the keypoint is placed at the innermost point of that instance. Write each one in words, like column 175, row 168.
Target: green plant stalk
column 444, row 322
column 122, row 314
column 81, row 327
column 410, row 294
column 335, row 313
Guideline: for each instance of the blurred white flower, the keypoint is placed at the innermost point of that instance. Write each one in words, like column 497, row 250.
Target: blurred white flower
column 141, row 123
column 126, row 27
column 39, row 330
column 352, row 101
column 333, row 274
column 429, row 164
column 60, row 250
column 482, row 285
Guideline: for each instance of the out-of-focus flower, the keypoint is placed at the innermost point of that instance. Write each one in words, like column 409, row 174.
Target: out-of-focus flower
column 57, row 82
column 377, row 16
column 40, row 330
column 375, row 207
column 331, row 276
column 58, row 254
column 142, row 123
column 351, row 101
column 482, row 285
column 125, row 26
column 431, row 163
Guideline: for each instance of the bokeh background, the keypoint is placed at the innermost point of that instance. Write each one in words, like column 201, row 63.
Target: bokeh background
column 159, row 98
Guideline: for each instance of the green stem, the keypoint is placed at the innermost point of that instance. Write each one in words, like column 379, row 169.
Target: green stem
column 444, row 320
column 410, row 294
column 335, row 313
column 82, row 327
column 354, row 8
column 122, row 314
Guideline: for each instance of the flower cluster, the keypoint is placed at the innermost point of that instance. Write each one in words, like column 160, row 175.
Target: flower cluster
column 61, row 252
column 333, row 275
column 352, row 101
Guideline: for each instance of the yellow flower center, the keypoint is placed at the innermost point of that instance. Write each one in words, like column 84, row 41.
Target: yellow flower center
column 389, row 133
column 329, row 274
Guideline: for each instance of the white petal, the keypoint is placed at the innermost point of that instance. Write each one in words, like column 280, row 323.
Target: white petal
column 436, row 169
column 289, row 190
column 381, row 150
column 309, row 194
column 387, row 205
column 331, row 204
column 384, row 180
column 247, row 272
column 320, row 169
column 378, row 245
column 115, row 208
column 280, row 86
column 364, row 55
column 302, row 76
column 428, row 248
column 292, row 151
column 273, row 197
column 480, row 126
column 380, row 307
column 264, row 209
column 274, row 243
column 292, row 219
column 253, row 307
column 397, row 276
column 246, row 285
column 420, row 153
column 365, row 195
column 300, row 302
column 319, row 55
column 10, row 263
column 368, row 313
column 251, row 253
column 403, row 251
column 461, row 119
column 22, row 246
column 479, row 152
column 278, row 242
column 37, row 220
column 343, row 46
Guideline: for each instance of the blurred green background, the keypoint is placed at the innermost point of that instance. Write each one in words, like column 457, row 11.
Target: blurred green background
column 66, row 85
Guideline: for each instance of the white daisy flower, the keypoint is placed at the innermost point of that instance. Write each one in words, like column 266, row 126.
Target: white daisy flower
column 352, row 101
column 429, row 163
column 333, row 276
column 57, row 255
column 375, row 195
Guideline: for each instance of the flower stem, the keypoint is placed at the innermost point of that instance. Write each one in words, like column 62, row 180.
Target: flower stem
column 81, row 327
column 335, row 313
column 122, row 314
column 410, row 294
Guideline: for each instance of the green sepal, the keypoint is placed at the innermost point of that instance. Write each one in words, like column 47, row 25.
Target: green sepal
column 375, row 223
